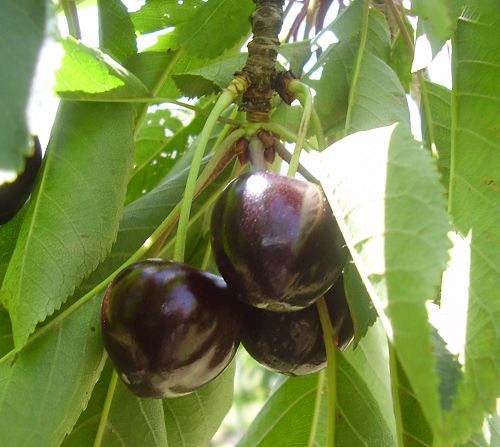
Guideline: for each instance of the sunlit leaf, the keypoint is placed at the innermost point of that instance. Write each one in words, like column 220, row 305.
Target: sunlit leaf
column 116, row 31
column 386, row 196
column 74, row 213
column 216, row 26
column 475, row 209
column 46, row 385
column 88, row 74
column 22, row 30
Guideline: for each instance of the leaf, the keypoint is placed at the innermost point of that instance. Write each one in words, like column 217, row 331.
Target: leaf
column 441, row 15
column 378, row 98
column 416, row 429
column 210, row 78
column 192, row 420
column 297, row 54
column 475, row 210
column 359, row 419
column 46, row 385
column 291, row 405
column 156, row 156
column 440, row 121
column 402, row 57
column 216, row 26
column 370, row 360
column 131, row 421
column 387, row 199
column 8, row 237
column 22, row 25
column 87, row 74
column 360, row 306
column 74, row 213
column 116, row 31
column 151, row 66
column 6, row 341
column 141, row 217
column 188, row 421
column 489, row 435
column 155, row 15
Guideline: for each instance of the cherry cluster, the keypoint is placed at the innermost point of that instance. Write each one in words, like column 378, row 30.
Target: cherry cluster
column 170, row 328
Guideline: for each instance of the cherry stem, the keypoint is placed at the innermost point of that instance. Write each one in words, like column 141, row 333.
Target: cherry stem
column 256, row 150
column 304, row 96
column 103, row 421
column 331, row 372
column 71, row 13
column 235, row 88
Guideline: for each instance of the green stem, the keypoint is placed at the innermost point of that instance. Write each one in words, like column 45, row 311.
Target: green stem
column 71, row 14
column 318, row 130
column 159, row 84
column 328, row 338
column 304, row 95
column 206, row 256
column 225, row 99
column 103, row 421
column 317, row 408
column 393, row 368
column 357, row 66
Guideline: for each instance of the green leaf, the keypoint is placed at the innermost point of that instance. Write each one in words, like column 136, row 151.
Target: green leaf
column 131, row 421
column 297, row 54
column 370, row 360
column 210, row 78
column 8, row 237
column 441, row 15
column 489, row 435
column 291, row 405
column 188, row 421
column 378, row 98
column 386, row 196
column 155, row 155
column 22, row 30
column 361, row 308
column 74, row 212
column 416, row 429
column 157, row 70
column 116, row 31
column 192, row 420
column 6, row 340
column 216, row 26
column 87, row 74
column 440, row 121
column 475, row 209
column 155, row 15
column 46, row 385
column 401, row 58
column 359, row 419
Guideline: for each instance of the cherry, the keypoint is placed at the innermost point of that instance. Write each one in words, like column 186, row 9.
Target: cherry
column 169, row 328
column 292, row 342
column 275, row 241
column 14, row 195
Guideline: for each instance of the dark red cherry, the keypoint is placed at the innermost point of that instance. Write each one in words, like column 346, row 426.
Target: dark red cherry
column 275, row 241
column 14, row 195
column 292, row 342
column 169, row 328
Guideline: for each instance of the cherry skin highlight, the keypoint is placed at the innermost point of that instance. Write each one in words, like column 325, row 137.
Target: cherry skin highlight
column 275, row 241
column 169, row 328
